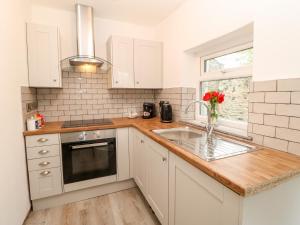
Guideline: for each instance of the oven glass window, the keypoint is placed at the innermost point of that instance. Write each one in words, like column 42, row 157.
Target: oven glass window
column 88, row 160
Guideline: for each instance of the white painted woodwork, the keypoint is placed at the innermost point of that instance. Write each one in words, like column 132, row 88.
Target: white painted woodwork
column 42, row 186
column 42, row 140
column 43, row 56
column 120, row 53
column 139, row 161
column 89, row 183
column 136, row 63
column 194, row 197
column 150, row 168
column 157, row 180
column 130, row 146
column 123, row 160
column 44, row 163
column 43, row 151
column 147, row 64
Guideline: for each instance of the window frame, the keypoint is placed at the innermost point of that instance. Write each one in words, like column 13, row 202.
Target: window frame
column 229, row 126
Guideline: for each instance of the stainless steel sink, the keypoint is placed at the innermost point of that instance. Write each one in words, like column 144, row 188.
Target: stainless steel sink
column 196, row 142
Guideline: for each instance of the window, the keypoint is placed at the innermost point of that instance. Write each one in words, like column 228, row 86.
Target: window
column 229, row 71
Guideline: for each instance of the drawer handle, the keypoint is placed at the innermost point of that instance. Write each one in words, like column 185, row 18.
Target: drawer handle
column 44, row 163
column 142, row 141
column 45, row 173
column 42, row 140
column 164, row 159
column 43, row 152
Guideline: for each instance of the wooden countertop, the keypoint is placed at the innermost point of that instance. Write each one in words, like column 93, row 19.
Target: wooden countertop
column 245, row 174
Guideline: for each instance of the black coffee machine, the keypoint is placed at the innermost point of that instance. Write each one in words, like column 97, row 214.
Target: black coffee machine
column 165, row 112
column 148, row 110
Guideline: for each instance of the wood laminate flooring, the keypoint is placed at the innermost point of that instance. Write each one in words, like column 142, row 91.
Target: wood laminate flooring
column 126, row 207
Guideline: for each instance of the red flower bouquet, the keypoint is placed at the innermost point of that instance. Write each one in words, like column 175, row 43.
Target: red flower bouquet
column 214, row 98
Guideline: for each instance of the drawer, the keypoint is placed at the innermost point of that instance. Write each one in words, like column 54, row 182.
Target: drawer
column 43, row 163
column 44, row 151
column 42, row 140
column 45, row 183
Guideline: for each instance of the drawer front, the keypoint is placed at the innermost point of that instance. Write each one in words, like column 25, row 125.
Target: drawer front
column 43, row 151
column 42, row 140
column 43, row 163
column 45, row 183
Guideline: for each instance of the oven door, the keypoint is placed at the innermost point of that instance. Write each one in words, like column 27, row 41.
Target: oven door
column 88, row 159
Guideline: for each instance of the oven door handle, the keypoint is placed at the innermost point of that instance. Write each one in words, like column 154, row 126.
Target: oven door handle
column 90, row 145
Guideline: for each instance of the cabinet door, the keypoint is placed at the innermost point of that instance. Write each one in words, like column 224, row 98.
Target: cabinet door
column 44, row 183
column 195, row 198
column 139, row 161
column 123, row 159
column 157, row 180
column 122, row 60
column 43, row 56
column 147, row 64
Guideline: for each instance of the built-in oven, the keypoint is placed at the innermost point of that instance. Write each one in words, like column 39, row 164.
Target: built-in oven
column 88, row 158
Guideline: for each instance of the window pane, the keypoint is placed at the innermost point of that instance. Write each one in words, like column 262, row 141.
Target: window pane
column 235, row 106
column 229, row 61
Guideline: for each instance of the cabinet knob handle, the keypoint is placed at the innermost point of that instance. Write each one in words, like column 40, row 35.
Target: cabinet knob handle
column 117, row 82
column 142, row 141
column 42, row 140
column 45, row 163
column 164, row 159
column 43, row 152
column 45, row 173
column 54, row 80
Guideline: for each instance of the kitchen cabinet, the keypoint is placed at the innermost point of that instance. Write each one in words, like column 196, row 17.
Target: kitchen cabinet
column 151, row 174
column 136, row 63
column 139, row 161
column 147, row 64
column 123, row 160
column 120, row 54
column 157, row 180
column 44, row 165
column 43, row 56
column 194, row 197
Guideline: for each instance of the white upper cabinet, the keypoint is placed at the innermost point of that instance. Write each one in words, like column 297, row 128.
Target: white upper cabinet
column 148, row 64
column 120, row 54
column 43, row 56
column 136, row 63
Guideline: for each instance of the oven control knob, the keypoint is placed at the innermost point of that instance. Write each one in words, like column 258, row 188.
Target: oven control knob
column 97, row 134
column 82, row 136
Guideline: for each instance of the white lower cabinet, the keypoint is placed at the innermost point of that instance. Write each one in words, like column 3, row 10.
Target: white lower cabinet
column 139, row 161
column 44, row 183
column 195, row 198
column 150, row 169
column 123, row 160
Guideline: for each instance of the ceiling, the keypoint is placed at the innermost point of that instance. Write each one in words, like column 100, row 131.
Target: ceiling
column 142, row 12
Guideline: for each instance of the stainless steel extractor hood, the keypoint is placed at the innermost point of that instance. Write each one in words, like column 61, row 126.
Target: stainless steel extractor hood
column 85, row 41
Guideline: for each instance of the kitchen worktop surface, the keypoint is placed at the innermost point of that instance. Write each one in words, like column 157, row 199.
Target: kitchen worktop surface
column 245, row 174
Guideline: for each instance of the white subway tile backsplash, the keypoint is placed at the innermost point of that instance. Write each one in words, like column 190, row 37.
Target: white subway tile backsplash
column 295, row 98
column 278, row 97
column 288, row 134
column 294, row 123
column 277, row 121
column 288, row 110
column 265, row 86
column 276, row 143
column 264, row 130
column 289, row 85
column 264, row 108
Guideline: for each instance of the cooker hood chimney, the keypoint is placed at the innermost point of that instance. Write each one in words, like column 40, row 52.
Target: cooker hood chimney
column 85, row 40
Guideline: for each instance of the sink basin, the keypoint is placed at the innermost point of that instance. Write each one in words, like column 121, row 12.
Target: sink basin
column 196, row 142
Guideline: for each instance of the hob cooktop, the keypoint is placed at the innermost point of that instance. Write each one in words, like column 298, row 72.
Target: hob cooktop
column 86, row 123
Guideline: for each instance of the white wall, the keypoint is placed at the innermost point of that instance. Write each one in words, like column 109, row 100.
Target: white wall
column 276, row 36
column 194, row 23
column 14, row 199
column 277, row 40
column 103, row 29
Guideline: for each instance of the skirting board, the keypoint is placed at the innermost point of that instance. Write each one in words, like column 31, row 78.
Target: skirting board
column 80, row 195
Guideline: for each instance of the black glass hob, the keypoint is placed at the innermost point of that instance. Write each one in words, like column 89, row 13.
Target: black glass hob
column 86, row 123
